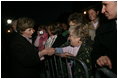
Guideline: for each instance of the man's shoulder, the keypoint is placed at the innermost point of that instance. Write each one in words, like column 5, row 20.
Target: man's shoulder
column 107, row 27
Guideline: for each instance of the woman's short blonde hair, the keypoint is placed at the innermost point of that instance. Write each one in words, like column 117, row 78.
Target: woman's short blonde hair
column 80, row 31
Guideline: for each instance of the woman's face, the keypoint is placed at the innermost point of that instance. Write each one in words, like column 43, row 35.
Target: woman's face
column 74, row 40
column 28, row 32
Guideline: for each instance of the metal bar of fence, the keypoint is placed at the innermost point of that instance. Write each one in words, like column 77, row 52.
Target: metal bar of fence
column 69, row 69
column 47, row 68
column 56, row 67
column 82, row 64
column 52, row 70
column 55, row 64
column 85, row 68
column 61, row 68
column 106, row 72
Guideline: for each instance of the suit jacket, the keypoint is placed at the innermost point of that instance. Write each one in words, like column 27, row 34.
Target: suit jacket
column 24, row 58
column 106, row 44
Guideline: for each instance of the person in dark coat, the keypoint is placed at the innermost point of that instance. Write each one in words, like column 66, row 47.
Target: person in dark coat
column 79, row 48
column 105, row 46
column 24, row 57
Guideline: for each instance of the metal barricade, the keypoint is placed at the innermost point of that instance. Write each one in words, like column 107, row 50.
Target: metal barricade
column 58, row 67
column 106, row 72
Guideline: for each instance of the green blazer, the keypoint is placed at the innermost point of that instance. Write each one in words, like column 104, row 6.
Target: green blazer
column 84, row 54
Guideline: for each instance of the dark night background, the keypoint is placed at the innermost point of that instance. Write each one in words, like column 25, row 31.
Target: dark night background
column 43, row 12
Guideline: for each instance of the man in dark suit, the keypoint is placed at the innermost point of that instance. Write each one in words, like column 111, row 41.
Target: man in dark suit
column 105, row 46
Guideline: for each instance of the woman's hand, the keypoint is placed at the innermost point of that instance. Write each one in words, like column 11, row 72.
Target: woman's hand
column 66, row 54
column 47, row 51
column 50, row 51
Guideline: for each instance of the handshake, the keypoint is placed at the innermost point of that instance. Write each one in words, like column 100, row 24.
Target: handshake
column 46, row 51
column 51, row 51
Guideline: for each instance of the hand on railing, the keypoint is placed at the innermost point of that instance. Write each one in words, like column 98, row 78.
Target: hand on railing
column 104, row 61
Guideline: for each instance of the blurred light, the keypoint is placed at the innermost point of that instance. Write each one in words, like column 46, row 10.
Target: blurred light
column 85, row 12
column 9, row 21
column 8, row 31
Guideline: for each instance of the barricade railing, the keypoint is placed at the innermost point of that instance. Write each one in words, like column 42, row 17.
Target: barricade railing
column 103, row 71
column 61, row 67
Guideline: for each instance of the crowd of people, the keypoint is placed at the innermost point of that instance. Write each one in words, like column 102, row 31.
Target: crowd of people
column 92, row 41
